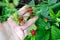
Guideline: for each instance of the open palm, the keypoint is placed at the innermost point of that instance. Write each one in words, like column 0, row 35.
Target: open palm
column 16, row 30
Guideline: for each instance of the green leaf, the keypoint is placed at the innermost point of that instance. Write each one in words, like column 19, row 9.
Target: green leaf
column 42, row 10
column 40, row 23
column 16, row 2
column 52, row 13
column 46, row 37
column 44, row 7
column 32, row 37
column 55, row 6
column 15, row 15
column 52, row 1
column 42, row 35
column 55, row 33
column 58, row 19
column 2, row 4
column 27, row 38
column 6, row 1
column 7, row 11
column 32, row 3
column 47, row 26
column 58, row 14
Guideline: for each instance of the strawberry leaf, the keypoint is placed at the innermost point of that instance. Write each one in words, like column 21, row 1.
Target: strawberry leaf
column 32, row 3
column 16, row 2
column 52, row 1
column 58, row 14
column 52, row 13
column 55, row 33
column 58, row 19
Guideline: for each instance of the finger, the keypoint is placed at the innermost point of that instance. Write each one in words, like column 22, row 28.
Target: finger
column 22, row 10
column 11, row 22
column 30, row 22
column 26, row 15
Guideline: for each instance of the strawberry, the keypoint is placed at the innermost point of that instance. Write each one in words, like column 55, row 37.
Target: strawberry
column 33, row 32
column 21, row 19
column 30, row 9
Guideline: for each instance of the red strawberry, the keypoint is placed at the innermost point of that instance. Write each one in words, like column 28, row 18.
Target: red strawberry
column 21, row 19
column 33, row 32
column 30, row 9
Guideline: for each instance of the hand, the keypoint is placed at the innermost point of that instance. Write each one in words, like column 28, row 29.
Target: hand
column 20, row 31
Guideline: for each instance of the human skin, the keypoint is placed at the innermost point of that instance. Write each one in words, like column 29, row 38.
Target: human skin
column 12, row 31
